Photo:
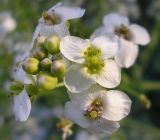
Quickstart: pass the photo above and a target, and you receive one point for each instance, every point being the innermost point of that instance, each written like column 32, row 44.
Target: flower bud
column 31, row 65
column 45, row 64
column 39, row 53
column 39, row 41
column 52, row 44
column 47, row 81
column 58, row 68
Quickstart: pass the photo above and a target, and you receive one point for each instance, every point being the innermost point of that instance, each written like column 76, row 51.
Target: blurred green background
column 141, row 82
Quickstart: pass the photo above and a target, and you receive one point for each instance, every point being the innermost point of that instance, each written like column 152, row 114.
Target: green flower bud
column 47, row 81
column 39, row 41
column 58, row 68
column 52, row 44
column 45, row 64
column 32, row 90
column 16, row 87
column 39, row 53
column 31, row 65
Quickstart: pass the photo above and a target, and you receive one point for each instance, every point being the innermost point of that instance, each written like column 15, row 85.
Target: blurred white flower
column 131, row 35
column 7, row 24
column 98, row 110
column 94, row 62
column 54, row 20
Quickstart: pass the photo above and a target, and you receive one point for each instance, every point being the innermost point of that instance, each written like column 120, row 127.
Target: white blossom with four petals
column 56, row 22
column 78, row 77
column 130, row 35
column 115, row 105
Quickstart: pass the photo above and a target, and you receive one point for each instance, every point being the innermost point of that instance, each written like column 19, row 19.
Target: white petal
column 103, row 127
column 73, row 47
column 55, row 6
column 117, row 105
column 86, row 97
column 110, row 77
column 115, row 20
column 75, row 80
column 19, row 74
column 74, row 113
column 127, row 54
column 140, row 34
column 60, row 30
column 67, row 13
column 99, row 32
column 22, row 106
column 107, row 44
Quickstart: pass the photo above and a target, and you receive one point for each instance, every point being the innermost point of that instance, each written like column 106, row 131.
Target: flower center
column 123, row 32
column 51, row 19
column 94, row 111
column 93, row 60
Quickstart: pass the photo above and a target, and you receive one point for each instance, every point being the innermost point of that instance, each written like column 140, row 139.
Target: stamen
column 93, row 60
column 123, row 32
column 94, row 111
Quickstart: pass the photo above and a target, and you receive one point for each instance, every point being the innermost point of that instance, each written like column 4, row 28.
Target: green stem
column 60, row 85
column 150, row 85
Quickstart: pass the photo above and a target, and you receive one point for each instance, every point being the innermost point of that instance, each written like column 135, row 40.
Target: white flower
column 54, row 20
column 22, row 103
column 131, row 35
column 94, row 62
column 98, row 110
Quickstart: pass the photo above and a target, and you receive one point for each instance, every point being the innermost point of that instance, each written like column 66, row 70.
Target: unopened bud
column 58, row 68
column 47, row 81
column 39, row 41
column 45, row 64
column 146, row 102
column 39, row 53
column 52, row 44
column 31, row 65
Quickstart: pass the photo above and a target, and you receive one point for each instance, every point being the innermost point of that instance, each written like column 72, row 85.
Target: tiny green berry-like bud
column 39, row 41
column 39, row 53
column 45, row 64
column 31, row 65
column 52, row 44
column 58, row 68
column 47, row 81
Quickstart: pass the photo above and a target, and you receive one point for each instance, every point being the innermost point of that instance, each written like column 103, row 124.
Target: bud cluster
column 40, row 62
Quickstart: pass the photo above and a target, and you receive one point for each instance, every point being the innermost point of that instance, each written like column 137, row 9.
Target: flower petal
column 74, row 113
column 75, row 80
column 114, row 20
column 67, row 13
column 103, row 127
column 86, row 97
column 140, row 34
column 73, row 47
column 19, row 74
column 127, row 54
column 107, row 44
column 117, row 105
column 99, row 32
column 110, row 77
column 60, row 30
column 22, row 106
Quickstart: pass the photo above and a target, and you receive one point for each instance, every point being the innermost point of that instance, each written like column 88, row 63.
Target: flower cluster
column 89, row 68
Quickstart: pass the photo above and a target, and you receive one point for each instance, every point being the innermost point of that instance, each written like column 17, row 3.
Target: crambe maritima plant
column 90, row 69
